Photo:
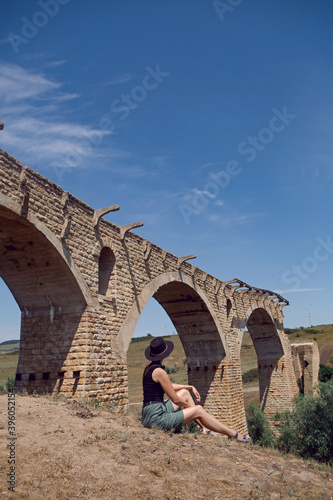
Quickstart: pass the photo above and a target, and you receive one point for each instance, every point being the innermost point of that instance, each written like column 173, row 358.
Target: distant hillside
column 10, row 345
column 7, row 342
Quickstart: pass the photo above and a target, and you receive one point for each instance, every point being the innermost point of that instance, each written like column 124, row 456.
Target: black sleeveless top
column 152, row 391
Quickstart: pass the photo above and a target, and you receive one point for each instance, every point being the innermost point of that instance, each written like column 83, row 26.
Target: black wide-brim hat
column 159, row 349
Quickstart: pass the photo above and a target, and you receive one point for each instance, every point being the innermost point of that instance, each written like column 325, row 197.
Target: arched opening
column 153, row 322
column 195, row 323
column 45, row 285
column 9, row 331
column 229, row 307
column 249, row 366
column 270, row 358
column 105, row 267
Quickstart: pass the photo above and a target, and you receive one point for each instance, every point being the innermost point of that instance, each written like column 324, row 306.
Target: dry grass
column 61, row 455
column 8, row 364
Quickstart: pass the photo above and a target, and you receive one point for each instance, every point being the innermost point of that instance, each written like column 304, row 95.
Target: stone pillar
column 306, row 365
column 53, row 354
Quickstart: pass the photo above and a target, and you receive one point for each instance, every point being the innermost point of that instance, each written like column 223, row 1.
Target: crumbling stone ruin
column 306, row 365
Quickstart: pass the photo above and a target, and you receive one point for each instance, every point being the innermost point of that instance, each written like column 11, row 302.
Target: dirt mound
column 65, row 450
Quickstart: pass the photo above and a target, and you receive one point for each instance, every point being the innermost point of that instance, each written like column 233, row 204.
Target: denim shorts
column 162, row 416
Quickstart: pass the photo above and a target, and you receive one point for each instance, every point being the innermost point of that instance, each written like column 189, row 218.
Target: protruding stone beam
column 218, row 285
column 67, row 220
column 164, row 254
column 267, row 292
column 65, row 227
column 274, row 296
column 184, row 259
column 236, row 284
column 127, row 227
column 147, row 249
column 64, row 199
column 204, row 277
column 24, row 188
column 2, row 125
column 193, row 271
column 103, row 211
column 280, row 299
column 242, row 284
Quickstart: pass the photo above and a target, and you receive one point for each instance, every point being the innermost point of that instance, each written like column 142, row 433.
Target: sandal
column 208, row 432
column 244, row 440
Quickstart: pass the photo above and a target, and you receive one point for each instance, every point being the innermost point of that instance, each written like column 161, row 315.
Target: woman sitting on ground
column 180, row 408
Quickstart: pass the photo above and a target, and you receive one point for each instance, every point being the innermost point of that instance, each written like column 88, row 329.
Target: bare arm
column 159, row 375
column 178, row 387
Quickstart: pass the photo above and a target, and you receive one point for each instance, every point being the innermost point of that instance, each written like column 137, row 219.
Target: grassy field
column 8, row 363
column 322, row 334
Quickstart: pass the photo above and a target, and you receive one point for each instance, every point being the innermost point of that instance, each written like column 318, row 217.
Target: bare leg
column 197, row 412
column 186, row 396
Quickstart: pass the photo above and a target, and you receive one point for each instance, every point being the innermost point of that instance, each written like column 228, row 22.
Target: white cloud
column 17, row 84
column 232, row 220
column 35, row 129
column 210, row 164
column 203, row 193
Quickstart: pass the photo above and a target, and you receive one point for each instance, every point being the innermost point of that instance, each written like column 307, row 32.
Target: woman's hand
column 196, row 394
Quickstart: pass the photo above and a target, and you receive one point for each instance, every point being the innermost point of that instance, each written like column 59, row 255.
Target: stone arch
column 199, row 330
column 100, row 244
column 154, row 289
column 14, row 227
column 271, row 356
column 51, row 294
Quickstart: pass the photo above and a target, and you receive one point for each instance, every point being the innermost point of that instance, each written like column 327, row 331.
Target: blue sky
column 209, row 121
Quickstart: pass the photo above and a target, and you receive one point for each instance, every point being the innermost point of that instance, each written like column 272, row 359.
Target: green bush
column 288, row 331
column 286, row 439
column 191, row 428
column 312, row 330
column 9, row 385
column 308, row 430
column 170, row 369
column 250, row 375
column 325, row 373
column 300, row 383
column 139, row 339
column 259, row 427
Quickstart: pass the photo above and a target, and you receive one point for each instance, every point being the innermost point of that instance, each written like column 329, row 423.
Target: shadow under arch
column 270, row 355
column 196, row 324
column 49, row 290
column 22, row 231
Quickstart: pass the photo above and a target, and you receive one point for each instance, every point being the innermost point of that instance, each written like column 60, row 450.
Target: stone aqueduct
column 82, row 282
